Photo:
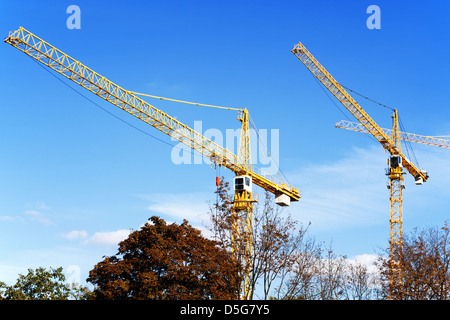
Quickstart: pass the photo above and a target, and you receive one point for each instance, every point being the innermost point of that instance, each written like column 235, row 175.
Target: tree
column 162, row 261
column 300, row 282
column 361, row 284
column 42, row 284
column 320, row 274
column 275, row 239
column 425, row 265
column 331, row 276
column 221, row 215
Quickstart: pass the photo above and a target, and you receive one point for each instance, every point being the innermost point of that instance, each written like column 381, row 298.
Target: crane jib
column 50, row 56
column 355, row 109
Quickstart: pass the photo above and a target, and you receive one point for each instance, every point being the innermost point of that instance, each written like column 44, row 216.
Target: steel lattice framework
column 351, row 105
column 128, row 101
column 405, row 136
column 391, row 143
column 396, row 186
column 74, row 70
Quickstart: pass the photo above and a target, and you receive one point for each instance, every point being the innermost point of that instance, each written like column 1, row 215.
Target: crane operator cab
column 395, row 161
column 242, row 183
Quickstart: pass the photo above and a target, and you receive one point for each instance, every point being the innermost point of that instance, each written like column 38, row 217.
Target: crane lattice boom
column 355, row 109
column 128, row 101
column 74, row 70
column 391, row 143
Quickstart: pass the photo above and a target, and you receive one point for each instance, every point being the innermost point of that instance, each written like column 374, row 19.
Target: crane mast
column 128, row 101
column 397, row 161
column 396, row 184
column 242, row 224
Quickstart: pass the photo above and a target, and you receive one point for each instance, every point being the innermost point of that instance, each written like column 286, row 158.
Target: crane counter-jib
column 72, row 69
column 412, row 137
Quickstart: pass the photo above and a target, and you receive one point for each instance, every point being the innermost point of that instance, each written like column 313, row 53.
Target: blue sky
column 75, row 179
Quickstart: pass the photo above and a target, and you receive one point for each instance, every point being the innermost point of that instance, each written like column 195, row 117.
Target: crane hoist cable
column 182, row 101
column 216, row 165
column 367, row 98
column 267, row 150
column 246, row 174
column 396, row 162
column 98, row 105
column 61, row 79
column 409, row 149
column 219, row 107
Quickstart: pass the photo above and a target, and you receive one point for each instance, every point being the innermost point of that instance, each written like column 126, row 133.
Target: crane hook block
column 217, row 181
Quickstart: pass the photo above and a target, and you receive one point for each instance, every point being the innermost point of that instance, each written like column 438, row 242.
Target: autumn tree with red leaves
column 166, row 261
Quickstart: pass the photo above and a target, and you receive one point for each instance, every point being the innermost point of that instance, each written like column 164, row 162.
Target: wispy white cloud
column 107, row 238
column 367, row 260
column 32, row 213
column 343, row 193
column 76, row 235
column 352, row 191
column 7, row 218
column 39, row 217
column 189, row 206
column 9, row 273
column 111, row 238
column 41, row 205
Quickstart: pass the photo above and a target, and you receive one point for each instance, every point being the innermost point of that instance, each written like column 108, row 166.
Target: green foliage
column 43, row 284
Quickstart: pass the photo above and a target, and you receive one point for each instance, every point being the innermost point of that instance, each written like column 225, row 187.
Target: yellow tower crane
column 396, row 233
column 397, row 161
column 246, row 174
